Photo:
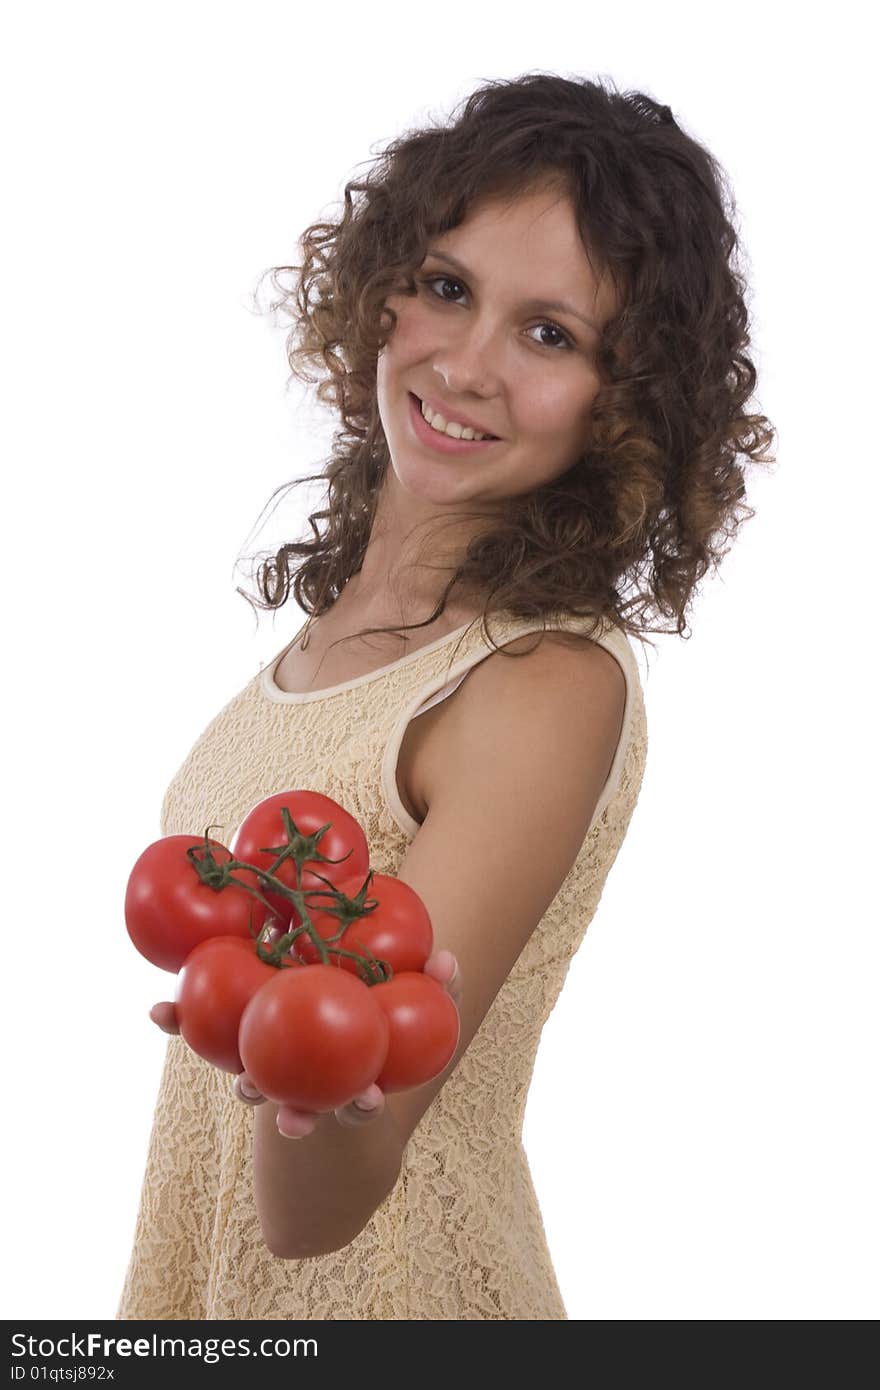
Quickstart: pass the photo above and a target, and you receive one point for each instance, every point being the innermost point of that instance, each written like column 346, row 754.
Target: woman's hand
column 368, row 1106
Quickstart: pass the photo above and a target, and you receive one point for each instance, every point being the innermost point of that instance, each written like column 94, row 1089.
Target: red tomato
column 218, row 979
column 398, row 931
column 313, row 1038
column 424, row 1028
column 169, row 910
column 263, row 829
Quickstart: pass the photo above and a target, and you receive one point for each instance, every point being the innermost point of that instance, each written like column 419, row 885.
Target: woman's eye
column 563, row 340
column 441, row 279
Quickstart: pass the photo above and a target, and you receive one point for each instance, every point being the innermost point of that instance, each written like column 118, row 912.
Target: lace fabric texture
column 461, row 1235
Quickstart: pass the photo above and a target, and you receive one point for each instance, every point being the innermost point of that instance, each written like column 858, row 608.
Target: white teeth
column 451, row 427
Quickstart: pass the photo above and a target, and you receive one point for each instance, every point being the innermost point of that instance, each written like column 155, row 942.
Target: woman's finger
column 365, row 1108
column 294, row 1124
column 245, row 1090
column 444, row 968
column 164, row 1015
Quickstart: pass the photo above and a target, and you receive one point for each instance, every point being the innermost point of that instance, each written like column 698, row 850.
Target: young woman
column 530, row 326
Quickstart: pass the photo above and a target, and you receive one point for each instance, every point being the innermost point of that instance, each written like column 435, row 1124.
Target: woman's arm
column 529, row 747
column 355, row 1174
column 315, row 1194
column 526, row 756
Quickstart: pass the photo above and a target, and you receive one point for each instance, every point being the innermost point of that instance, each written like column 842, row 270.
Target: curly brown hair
column 629, row 530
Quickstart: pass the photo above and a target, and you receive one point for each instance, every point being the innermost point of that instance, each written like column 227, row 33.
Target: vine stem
column 218, row 875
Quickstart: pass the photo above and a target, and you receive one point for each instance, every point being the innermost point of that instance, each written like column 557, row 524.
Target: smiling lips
column 439, row 441
column 432, row 408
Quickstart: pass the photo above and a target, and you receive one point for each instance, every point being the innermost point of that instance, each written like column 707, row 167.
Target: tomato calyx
column 299, row 847
column 372, row 970
column 212, row 871
column 302, row 849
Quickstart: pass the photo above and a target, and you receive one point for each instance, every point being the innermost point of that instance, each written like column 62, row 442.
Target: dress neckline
column 300, row 697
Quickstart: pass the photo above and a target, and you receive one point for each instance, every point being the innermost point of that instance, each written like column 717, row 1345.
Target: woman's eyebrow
column 558, row 305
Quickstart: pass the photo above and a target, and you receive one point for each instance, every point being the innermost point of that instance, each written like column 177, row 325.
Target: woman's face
column 480, row 344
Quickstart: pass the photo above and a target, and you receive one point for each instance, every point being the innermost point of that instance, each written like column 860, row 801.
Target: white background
column 702, row 1123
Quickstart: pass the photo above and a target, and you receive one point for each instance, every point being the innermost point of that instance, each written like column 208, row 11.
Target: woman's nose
column 468, row 362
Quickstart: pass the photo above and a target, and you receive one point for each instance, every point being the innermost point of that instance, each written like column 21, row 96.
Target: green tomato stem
column 302, row 849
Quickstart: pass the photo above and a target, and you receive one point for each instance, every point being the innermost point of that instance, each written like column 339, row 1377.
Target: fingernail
column 247, row 1089
column 366, row 1104
column 285, row 1135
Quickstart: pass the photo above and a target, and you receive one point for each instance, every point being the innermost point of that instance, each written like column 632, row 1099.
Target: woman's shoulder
column 568, row 652
column 537, row 671
column 595, row 637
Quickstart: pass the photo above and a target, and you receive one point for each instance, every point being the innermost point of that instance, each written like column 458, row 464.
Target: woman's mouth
column 436, row 439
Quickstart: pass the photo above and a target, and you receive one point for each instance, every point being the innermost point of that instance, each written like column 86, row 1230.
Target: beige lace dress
column 461, row 1234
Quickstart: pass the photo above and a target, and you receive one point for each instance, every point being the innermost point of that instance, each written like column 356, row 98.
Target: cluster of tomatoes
column 294, row 962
